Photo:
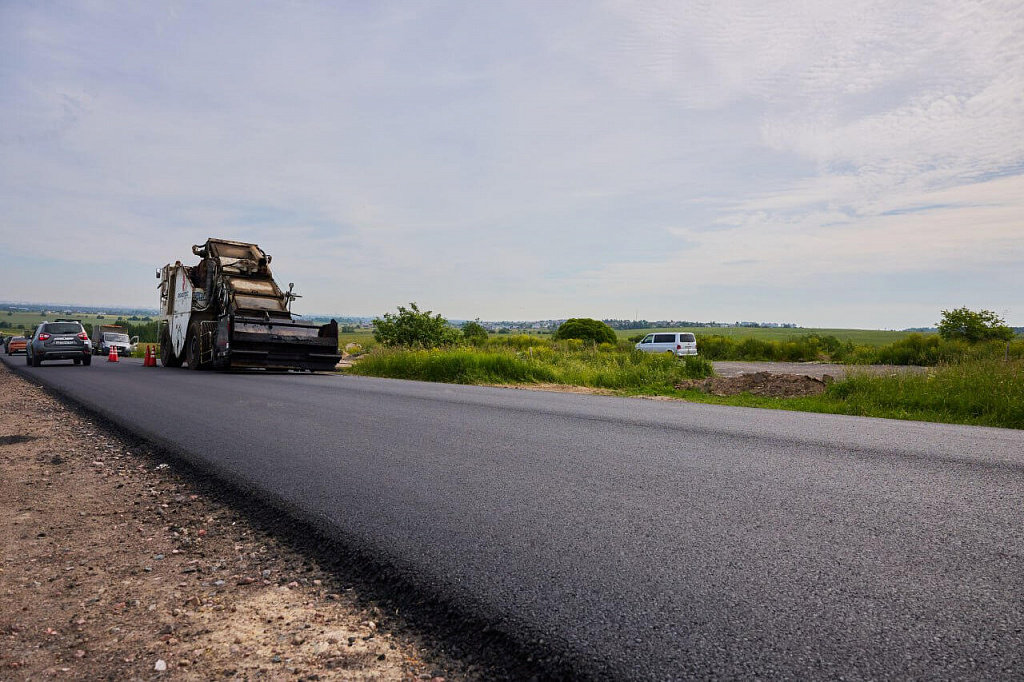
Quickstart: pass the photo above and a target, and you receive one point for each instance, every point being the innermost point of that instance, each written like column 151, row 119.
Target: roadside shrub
column 716, row 347
column 586, row 329
column 930, row 350
column 973, row 326
column 844, row 352
column 474, row 333
column 414, row 328
column 697, row 367
column 148, row 332
column 756, row 349
column 518, row 341
column 916, row 349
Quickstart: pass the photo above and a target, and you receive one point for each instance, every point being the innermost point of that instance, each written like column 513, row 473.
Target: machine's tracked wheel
column 193, row 355
column 167, row 356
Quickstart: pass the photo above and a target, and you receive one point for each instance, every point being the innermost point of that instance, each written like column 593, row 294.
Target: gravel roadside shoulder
column 118, row 566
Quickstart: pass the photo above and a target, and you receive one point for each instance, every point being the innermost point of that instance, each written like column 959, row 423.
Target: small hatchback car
column 677, row 343
column 16, row 344
column 60, row 340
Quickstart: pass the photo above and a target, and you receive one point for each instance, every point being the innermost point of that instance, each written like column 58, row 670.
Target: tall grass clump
column 452, row 366
column 518, row 341
column 926, row 350
column 809, row 347
column 561, row 363
column 930, row 350
column 985, row 392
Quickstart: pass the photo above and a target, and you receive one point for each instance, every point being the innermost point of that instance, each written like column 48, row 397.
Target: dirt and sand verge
column 117, row 565
column 760, row 384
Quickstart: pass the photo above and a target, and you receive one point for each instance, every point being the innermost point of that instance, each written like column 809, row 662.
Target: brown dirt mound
column 760, row 383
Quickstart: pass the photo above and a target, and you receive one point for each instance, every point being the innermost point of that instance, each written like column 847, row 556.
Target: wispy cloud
column 504, row 160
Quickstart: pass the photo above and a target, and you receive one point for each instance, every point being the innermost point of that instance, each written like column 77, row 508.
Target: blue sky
column 842, row 164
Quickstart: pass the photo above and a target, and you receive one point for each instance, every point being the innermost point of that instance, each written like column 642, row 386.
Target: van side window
column 647, row 339
column 664, row 338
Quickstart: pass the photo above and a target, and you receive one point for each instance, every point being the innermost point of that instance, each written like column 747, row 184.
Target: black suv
column 60, row 340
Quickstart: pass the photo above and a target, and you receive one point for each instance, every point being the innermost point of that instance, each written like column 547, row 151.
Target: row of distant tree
column 414, row 327
column 659, row 324
column 424, row 329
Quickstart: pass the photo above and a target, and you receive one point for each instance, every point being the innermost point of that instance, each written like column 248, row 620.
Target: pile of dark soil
column 759, row 383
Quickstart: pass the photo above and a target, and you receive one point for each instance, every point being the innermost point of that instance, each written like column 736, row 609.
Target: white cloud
column 501, row 158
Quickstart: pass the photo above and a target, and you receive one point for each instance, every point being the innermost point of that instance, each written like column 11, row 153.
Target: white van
column 677, row 343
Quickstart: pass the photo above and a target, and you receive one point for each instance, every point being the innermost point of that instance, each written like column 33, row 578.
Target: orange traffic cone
column 150, row 356
column 112, row 354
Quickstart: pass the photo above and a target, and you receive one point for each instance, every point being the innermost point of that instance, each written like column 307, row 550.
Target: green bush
column 518, row 341
column 716, row 347
column 414, row 328
column 148, row 332
column 474, row 332
column 586, row 329
column 930, row 350
column 973, row 326
column 805, row 348
column 696, row 367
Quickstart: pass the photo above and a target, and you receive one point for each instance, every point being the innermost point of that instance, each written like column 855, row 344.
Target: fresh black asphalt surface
column 627, row 538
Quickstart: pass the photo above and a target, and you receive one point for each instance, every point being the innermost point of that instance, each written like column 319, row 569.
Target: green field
column 861, row 337
column 27, row 322
column 364, row 337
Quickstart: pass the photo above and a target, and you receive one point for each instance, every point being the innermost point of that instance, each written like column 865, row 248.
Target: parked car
column 60, row 340
column 16, row 344
column 677, row 343
column 103, row 341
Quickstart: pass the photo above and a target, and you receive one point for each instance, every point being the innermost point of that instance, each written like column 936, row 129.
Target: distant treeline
column 666, row 324
column 148, row 332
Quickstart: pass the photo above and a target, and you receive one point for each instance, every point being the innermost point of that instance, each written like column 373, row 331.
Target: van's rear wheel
column 168, row 358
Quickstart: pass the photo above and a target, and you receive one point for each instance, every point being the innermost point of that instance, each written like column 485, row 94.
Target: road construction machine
column 228, row 312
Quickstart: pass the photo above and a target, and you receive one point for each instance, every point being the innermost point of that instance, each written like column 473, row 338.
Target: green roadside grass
column 572, row 366
column 979, row 393
column 982, row 391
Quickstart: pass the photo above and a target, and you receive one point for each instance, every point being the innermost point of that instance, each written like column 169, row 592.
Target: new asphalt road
column 627, row 538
